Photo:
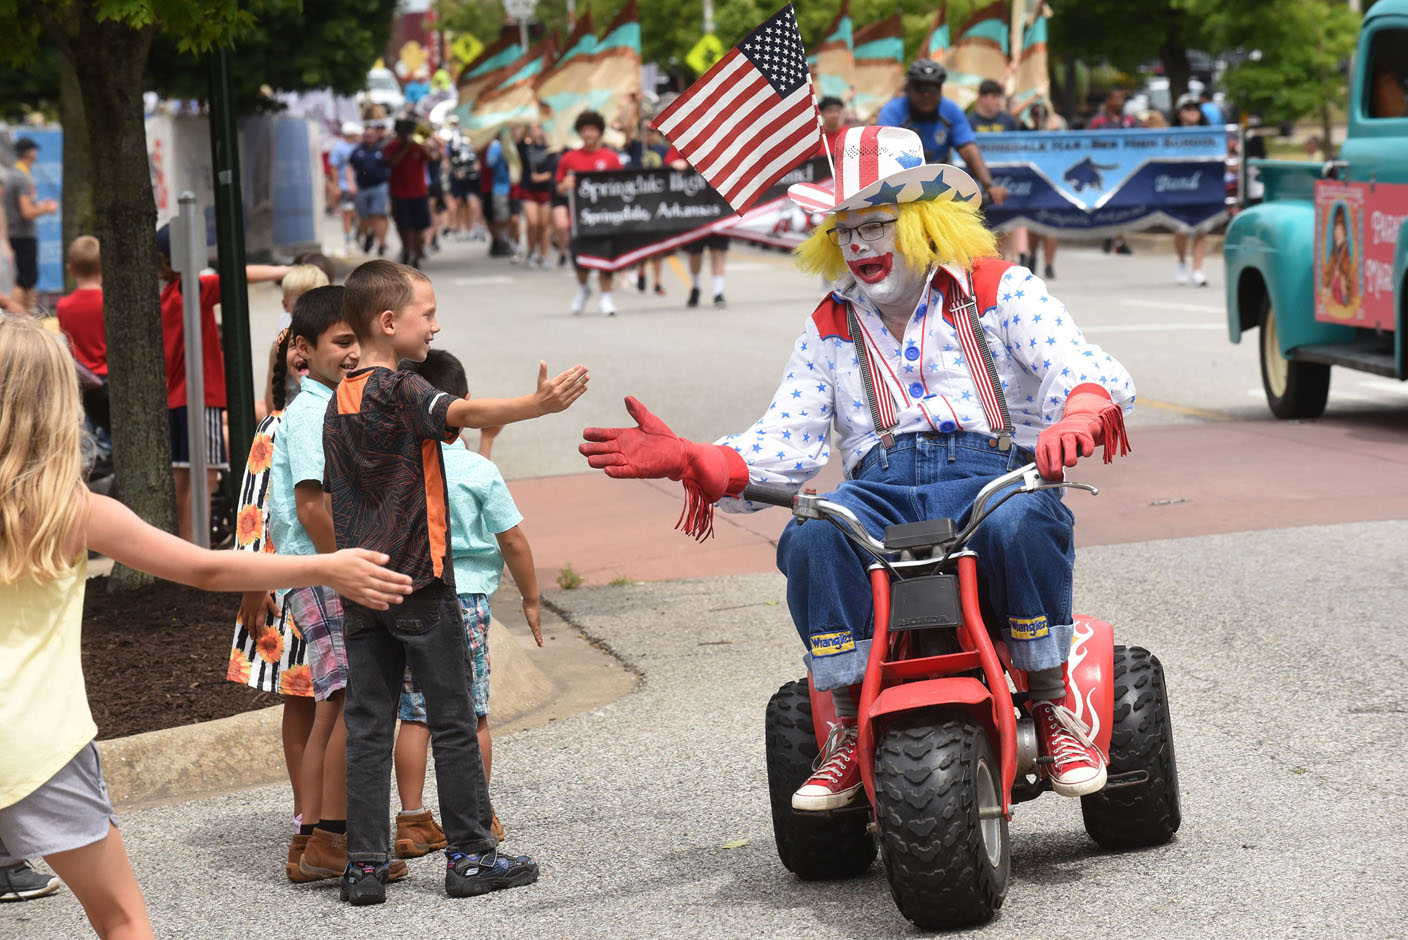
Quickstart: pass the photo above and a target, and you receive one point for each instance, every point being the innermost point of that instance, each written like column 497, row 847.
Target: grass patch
column 621, row 580
column 568, row 578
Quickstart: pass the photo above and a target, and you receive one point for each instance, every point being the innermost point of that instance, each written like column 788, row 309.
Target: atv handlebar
column 806, row 505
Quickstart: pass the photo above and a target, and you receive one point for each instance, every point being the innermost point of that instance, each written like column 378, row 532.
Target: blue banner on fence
column 1103, row 182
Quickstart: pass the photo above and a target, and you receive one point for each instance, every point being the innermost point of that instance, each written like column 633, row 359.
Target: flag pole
column 819, row 126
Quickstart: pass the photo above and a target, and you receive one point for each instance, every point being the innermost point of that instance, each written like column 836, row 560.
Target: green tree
column 107, row 42
column 291, row 47
column 1296, row 51
column 1131, row 34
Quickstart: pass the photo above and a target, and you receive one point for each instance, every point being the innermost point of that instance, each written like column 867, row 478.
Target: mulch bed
column 155, row 658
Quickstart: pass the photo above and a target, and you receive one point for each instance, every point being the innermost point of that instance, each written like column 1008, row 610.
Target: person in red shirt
column 833, row 124
column 81, row 313
column 173, row 333
column 407, row 159
column 591, row 157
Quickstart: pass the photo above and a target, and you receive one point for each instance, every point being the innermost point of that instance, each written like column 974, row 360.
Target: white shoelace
column 831, row 763
column 1070, row 739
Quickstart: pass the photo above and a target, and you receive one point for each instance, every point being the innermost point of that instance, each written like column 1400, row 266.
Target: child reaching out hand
column 484, row 533
column 53, row 801
column 386, row 477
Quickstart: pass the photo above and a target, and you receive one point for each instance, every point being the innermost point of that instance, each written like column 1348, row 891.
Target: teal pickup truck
column 1321, row 266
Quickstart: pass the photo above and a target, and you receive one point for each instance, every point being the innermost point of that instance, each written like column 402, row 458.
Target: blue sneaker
column 469, row 874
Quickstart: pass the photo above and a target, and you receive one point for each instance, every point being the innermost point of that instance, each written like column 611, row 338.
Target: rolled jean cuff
column 838, row 669
column 1045, row 652
column 368, row 857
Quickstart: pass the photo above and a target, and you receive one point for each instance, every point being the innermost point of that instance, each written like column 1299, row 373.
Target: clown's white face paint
column 882, row 274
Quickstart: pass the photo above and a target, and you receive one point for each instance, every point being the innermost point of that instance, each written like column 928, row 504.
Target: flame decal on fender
column 1083, row 705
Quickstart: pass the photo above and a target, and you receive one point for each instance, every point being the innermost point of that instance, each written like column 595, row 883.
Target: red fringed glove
column 1090, row 418
column 651, row 451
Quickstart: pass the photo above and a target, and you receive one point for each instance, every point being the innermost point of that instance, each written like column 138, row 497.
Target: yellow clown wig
column 943, row 232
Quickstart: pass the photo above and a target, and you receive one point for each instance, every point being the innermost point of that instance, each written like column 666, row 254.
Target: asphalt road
column 1288, row 720
column 1279, row 648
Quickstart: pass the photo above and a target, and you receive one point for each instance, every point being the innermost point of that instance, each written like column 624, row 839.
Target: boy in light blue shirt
column 484, row 535
column 300, row 524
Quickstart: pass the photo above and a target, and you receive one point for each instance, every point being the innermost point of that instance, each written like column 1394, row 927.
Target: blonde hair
column 40, row 467
column 947, row 232
column 300, row 279
column 84, row 258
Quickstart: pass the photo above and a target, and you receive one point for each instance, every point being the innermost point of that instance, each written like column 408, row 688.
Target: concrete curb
column 246, row 750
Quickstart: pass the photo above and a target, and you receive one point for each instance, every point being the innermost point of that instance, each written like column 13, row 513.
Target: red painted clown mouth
column 871, row 270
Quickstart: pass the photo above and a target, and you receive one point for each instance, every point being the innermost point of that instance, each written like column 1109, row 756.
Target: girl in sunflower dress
column 271, row 658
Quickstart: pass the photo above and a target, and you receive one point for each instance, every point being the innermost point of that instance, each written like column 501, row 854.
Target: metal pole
column 189, row 235
column 523, row 31
column 234, row 295
column 708, row 16
column 571, row 15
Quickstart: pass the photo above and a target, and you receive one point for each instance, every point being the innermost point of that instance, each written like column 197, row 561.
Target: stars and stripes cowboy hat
column 877, row 166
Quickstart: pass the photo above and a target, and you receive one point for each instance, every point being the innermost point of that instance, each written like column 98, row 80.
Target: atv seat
column 919, row 535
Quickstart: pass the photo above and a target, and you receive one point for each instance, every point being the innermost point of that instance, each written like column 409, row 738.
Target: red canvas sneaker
column 1076, row 767
column 835, row 780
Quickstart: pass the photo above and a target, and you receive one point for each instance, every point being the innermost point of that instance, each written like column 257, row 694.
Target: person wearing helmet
column 940, row 123
column 346, row 187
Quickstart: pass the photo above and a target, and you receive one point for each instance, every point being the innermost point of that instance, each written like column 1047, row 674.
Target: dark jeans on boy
column 426, row 632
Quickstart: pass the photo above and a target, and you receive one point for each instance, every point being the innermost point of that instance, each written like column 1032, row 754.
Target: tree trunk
column 1327, row 148
column 79, row 218
column 110, row 61
column 1174, row 56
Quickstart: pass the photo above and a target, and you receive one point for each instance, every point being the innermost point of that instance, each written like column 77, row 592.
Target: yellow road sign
column 466, row 48
column 705, row 53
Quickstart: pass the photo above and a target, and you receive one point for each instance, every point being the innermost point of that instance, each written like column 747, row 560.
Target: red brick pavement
column 1179, row 481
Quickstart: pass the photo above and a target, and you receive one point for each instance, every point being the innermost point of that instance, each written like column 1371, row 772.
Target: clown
column 926, row 399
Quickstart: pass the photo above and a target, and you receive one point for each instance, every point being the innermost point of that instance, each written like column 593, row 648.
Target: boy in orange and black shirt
column 386, row 480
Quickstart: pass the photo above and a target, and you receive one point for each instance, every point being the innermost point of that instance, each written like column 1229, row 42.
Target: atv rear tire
column 813, row 846
column 948, row 867
column 1141, row 739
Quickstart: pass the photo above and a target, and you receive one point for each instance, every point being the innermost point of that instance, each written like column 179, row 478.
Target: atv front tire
column 937, row 785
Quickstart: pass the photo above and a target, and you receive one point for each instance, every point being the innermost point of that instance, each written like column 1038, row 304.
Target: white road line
column 1150, row 327
column 483, row 280
column 1169, row 305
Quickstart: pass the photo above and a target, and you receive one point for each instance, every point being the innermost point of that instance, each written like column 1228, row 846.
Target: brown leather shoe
column 295, row 852
column 417, row 833
column 324, row 856
column 496, row 829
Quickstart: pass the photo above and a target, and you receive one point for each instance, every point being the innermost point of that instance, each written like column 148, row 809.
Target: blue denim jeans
column 1025, row 552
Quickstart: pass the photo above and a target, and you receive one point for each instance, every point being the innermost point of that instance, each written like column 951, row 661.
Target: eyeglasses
column 870, row 231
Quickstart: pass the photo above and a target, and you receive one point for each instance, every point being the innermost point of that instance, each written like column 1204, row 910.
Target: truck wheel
column 1141, row 741
column 813, row 846
column 947, row 860
column 1293, row 389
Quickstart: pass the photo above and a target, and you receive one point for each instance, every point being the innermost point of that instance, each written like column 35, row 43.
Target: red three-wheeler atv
column 946, row 741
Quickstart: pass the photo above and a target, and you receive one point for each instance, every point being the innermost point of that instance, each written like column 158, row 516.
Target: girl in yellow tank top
column 48, row 522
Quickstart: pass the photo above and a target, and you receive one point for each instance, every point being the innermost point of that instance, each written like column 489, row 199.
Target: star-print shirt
column 1040, row 353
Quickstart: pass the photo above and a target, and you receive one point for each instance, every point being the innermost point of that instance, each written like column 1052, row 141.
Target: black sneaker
column 381, row 250
column 22, row 883
column 367, row 243
column 364, row 883
column 1122, row 247
column 693, row 300
column 640, row 283
column 1050, row 274
column 719, row 300
column 472, row 874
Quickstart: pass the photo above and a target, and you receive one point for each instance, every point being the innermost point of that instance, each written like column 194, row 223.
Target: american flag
column 752, row 117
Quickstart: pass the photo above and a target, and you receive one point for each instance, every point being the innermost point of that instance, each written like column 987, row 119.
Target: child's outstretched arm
column 116, row 531
column 552, row 395
column 513, row 544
